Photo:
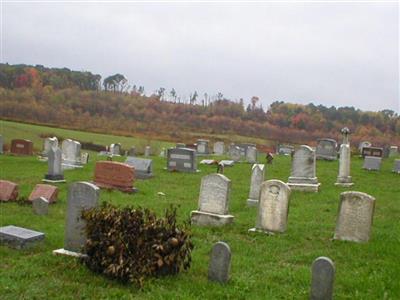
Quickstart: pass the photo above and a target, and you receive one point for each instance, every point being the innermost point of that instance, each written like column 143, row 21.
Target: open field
column 263, row 267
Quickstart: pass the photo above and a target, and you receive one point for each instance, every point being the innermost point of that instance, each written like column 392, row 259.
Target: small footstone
column 220, row 263
column 323, row 275
column 18, row 237
column 40, row 206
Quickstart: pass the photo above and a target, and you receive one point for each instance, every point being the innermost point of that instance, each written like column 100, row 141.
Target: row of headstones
column 372, row 163
column 41, row 196
column 116, row 150
column 322, row 271
column 354, row 220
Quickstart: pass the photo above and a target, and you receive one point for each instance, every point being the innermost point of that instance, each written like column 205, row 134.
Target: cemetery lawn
column 263, row 267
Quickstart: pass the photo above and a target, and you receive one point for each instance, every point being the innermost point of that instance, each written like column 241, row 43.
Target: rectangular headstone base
column 122, row 189
column 262, row 231
column 200, row 218
column 344, row 184
column 69, row 253
column 252, row 202
column 304, row 187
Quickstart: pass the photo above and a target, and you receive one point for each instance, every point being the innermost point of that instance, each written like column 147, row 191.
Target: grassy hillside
column 263, row 267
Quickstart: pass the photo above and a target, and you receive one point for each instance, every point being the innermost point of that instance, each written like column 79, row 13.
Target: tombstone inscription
column 181, row 159
column 273, row 207
column 354, row 221
column 21, row 147
column 303, row 175
column 213, row 201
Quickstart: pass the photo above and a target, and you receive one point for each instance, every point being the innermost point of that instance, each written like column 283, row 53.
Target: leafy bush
column 132, row 244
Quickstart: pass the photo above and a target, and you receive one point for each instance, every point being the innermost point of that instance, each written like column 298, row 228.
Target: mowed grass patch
column 263, row 267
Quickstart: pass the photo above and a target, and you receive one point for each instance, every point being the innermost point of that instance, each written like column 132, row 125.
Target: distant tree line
column 76, row 100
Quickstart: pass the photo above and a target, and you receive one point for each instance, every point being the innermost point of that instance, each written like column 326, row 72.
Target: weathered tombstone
column 396, row 167
column 227, row 163
column 355, row 216
column 8, row 190
column 372, row 163
column 220, row 263
column 132, row 151
column 273, row 207
column 257, row 178
column 372, row 151
column 213, row 201
column 115, row 149
column 21, row 147
column 147, row 151
column 220, row 168
column 326, row 149
column 81, row 196
column 40, row 206
column 48, row 143
column 344, row 178
column 285, row 149
column 114, row 175
column 303, row 175
column 163, row 153
column 55, row 171
column 219, row 148
column 202, row 147
column 363, row 144
column 85, row 158
column 71, row 153
column 251, row 155
column 181, row 159
column 322, row 278
column 1, row 144
column 18, row 237
column 235, row 153
column 143, row 167
column 49, row 192
column 393, row 151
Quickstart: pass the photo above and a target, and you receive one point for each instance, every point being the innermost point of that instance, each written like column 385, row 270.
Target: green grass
column 263, row 267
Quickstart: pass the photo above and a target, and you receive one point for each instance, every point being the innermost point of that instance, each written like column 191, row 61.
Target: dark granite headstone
column 220, row 263
column 323, row 276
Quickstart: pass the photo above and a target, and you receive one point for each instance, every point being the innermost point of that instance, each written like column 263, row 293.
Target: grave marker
column 213, row 201
column 355, row 216
column 372, row 151
column 81, row 196
column 344, row 178
column 303, row 175
column 219, row 148
column 372, row 163
column 322, row 278
column 21, row 147
column 48, row 143
column 18, row 237
column 202, row 147
column 326, row 149
column 257, row 178
column 220, row 263
column 114, row 175
column 143, row 167
column 393, row 151
column 55, row 171
column 251, row 155
column 40, row 206
column 71, row 154
column 147, row 151
column 273, row 207
column 47, row 191
column 396, row 167
column 8, row 190
column 181, row 159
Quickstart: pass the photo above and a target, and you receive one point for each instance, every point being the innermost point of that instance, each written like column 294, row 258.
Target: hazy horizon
column 334, row 54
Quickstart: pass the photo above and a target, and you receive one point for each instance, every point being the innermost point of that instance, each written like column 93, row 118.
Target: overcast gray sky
column 341, row 54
